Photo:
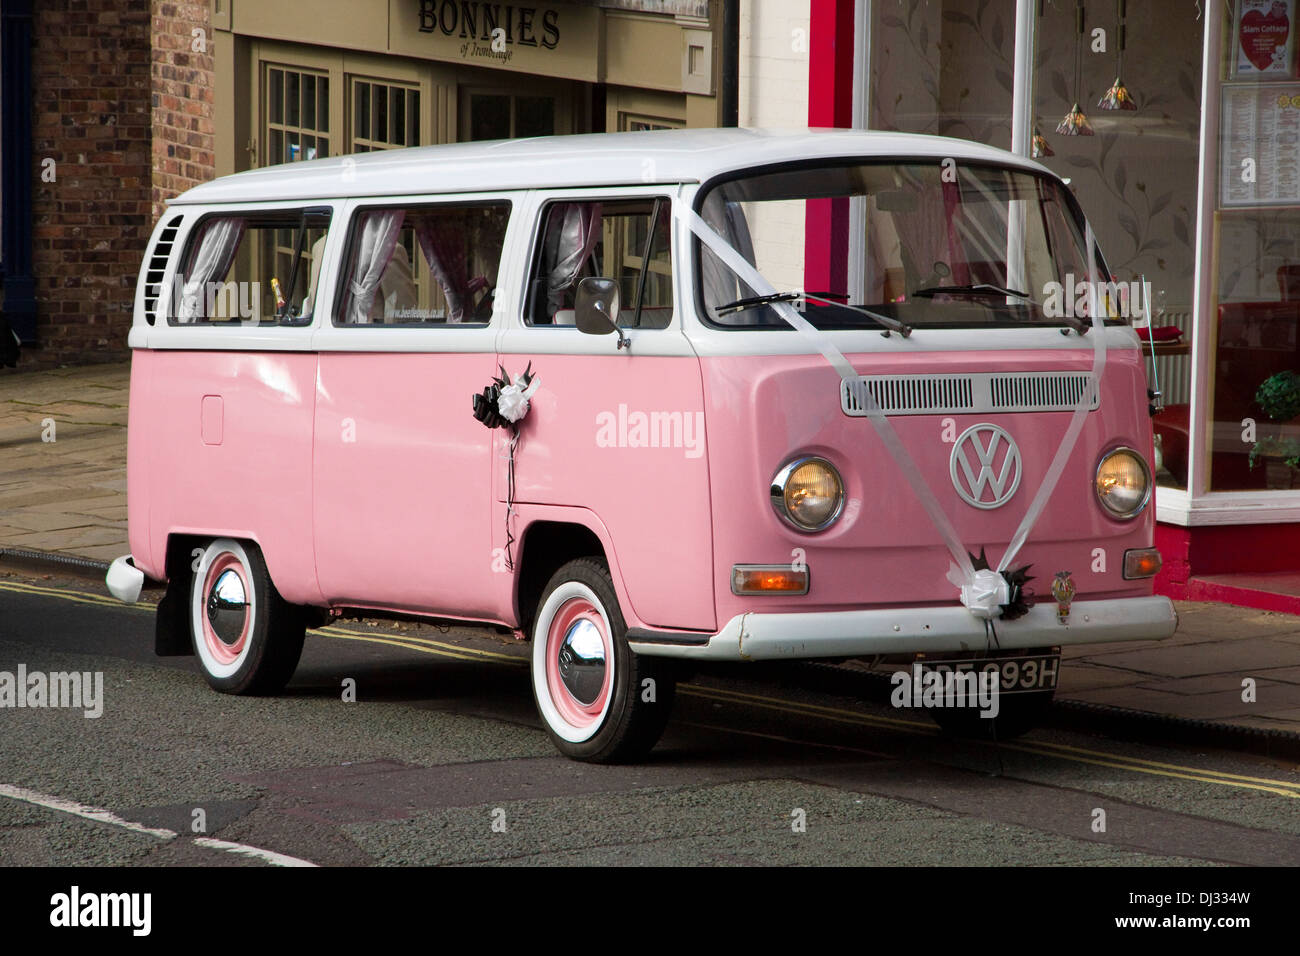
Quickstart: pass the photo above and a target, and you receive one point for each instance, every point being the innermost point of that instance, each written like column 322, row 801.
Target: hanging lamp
column 1118, row 97
column 1076, row 122
column 1039, row 147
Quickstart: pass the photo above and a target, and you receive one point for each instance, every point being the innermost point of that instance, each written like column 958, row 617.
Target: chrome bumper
column 759, row 637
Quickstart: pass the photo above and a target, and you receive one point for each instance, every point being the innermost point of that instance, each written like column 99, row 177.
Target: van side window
column 624, row 240
column 423, row 265
column 251, row 269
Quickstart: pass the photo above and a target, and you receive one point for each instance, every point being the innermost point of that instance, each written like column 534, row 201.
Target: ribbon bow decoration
column 504, row 402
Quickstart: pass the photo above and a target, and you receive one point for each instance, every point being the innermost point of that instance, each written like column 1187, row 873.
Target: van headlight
column 1123, row 483
column 808, row 493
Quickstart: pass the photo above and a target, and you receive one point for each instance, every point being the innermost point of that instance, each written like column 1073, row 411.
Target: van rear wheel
column 600, row 701
column 247, row 638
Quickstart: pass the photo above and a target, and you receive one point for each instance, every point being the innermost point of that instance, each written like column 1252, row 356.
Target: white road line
column 81, row 810
column 107, row 816
column 275, row 859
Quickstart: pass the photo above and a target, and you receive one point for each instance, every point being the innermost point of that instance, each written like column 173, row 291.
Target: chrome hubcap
column 582, row 661
column 228, row 606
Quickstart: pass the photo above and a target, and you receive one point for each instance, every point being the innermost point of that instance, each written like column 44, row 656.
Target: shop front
column 314, row 79
column 1177, row 125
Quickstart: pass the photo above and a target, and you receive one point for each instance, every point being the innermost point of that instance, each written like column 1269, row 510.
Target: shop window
column 251, row 270
column 423, row 265
column 1255, row 310
column 943, row 68
column 297, row 113
column 384, row 115
column 499, row 115
column 636, row 123
column 1132, row 157
column 624, row 240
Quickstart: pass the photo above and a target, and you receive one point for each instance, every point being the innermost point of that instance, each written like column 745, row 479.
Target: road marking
column 243, row 849
column 98, row 815
column 1282, row 788
column 787, row 740
column 76, row 597
column 81, row 810
column 926, row 728
column 1041, row 748
column 404, row 643
column 451, row 650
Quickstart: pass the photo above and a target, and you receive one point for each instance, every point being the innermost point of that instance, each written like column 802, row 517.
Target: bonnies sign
column 491, row 29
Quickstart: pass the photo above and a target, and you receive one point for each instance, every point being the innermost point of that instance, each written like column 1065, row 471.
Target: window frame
column 194, row 231
column 657, row 195
column 341, row 290
column 1071, row 207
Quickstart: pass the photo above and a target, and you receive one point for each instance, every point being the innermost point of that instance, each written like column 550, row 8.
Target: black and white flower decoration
column 505, row 403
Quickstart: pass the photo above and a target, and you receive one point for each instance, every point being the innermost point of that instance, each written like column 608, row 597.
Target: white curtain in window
column 211, row 263
column 379, row 231
column 579, row 227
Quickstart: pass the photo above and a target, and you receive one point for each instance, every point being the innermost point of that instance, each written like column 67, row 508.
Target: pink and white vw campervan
column 841, row 411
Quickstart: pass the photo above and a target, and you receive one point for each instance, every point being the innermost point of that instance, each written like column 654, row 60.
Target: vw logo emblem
column 985, row 466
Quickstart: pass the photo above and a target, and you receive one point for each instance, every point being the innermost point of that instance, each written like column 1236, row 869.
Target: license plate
column 1016, row 675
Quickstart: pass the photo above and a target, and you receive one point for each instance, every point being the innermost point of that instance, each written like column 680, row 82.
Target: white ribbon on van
column 983, row 591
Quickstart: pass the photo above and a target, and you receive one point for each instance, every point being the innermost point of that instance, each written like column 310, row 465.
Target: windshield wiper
column 740, row 305
column 982, row 288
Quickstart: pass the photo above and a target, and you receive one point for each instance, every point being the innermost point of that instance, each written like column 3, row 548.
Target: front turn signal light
column 768, row 579
column 1141, row 563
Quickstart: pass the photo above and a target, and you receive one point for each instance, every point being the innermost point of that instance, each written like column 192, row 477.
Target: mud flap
column 172, row 623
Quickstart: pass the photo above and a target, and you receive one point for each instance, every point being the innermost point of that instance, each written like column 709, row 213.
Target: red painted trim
column 830, row 103
column 830, row 63
column 1200, row 563
column 1199, row 590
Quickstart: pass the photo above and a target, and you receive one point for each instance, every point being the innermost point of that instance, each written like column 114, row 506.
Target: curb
column 42, row 560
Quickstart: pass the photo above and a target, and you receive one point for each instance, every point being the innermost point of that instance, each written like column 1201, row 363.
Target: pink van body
column 366, row 483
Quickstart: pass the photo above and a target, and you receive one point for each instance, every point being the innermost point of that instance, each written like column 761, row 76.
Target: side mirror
column 595, row 308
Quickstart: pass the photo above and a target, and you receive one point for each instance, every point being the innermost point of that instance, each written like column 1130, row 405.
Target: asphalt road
column 442, row 760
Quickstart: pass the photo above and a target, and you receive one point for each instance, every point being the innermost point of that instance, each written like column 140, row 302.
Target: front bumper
column 758, row 637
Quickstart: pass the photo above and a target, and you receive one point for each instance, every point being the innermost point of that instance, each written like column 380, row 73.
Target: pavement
column 63, row 492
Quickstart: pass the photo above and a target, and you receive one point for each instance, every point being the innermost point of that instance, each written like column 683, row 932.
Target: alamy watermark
column 206, row 301
column 1071, row 299
column 931, row 688
column 659, row 429
column 38, row 689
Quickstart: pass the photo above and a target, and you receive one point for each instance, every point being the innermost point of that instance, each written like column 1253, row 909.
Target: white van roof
column 594, row 159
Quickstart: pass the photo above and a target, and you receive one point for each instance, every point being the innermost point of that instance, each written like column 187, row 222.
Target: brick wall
column 90, row 80
column 123, row 105
column 184, row 143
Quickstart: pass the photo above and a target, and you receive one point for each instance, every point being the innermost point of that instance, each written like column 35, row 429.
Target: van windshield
column 933, row 244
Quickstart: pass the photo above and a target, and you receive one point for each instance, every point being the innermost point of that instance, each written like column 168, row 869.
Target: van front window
column 936, row 244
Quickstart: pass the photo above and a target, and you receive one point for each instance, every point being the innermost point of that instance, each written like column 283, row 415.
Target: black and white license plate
column 1016, row 675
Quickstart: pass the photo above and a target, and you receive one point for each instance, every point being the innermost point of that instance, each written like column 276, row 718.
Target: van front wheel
column 247, row 638
column 599, row 700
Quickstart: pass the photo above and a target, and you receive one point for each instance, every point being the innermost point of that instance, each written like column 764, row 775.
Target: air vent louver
column 153, row 277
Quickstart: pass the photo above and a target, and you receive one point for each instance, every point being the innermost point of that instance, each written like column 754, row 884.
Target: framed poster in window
column 1259, row 144
column 1264, row 41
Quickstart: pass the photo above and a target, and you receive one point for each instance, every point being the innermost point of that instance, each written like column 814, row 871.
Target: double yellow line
column 1083, row 755
column 1099, row 758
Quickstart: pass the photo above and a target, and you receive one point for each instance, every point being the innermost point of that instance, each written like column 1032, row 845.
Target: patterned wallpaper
column 945, row 67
